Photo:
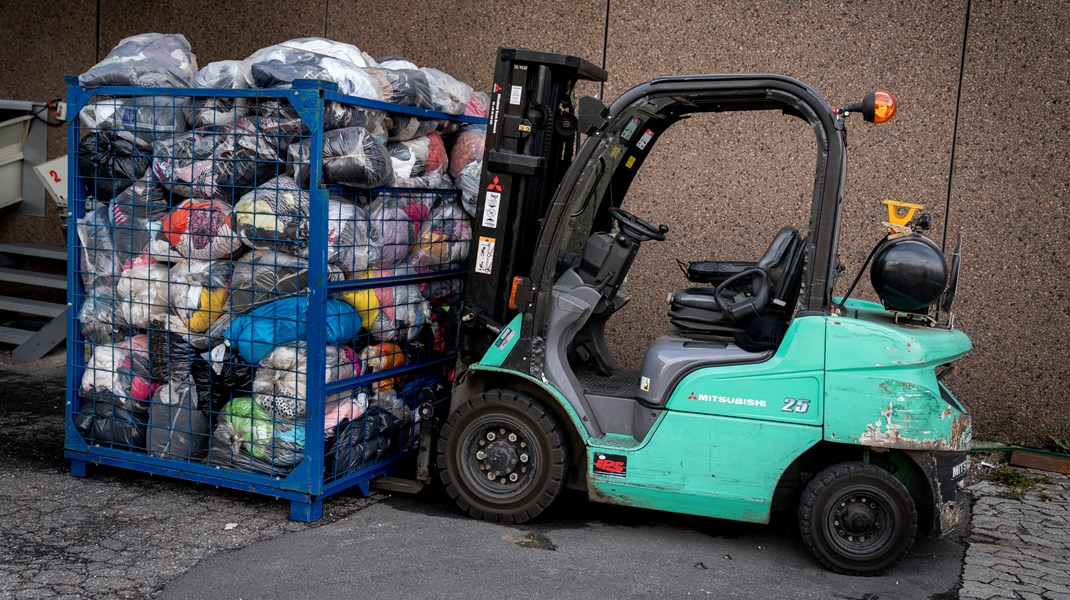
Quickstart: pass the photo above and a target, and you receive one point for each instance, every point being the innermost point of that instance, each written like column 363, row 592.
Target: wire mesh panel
column 267, row 284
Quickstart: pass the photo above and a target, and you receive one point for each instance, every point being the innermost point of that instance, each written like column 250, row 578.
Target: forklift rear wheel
column 503, row 456
column 857, row 519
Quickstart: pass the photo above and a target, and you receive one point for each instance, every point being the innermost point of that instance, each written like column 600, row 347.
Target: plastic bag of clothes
column 390, row 230
column 247, row 438
column 149, row 59
column 110, row 164
column 351, row 156
column 216, row 163
column 216, row 111
column 142, row 291
column 198, row 228
column 263, row 276
column 176, row 428
column 444, row 238
column 274, row 215
column 97, row 257
column 447, row 94
column 408, row 87
column 466, row 164
column 349, row 407
column 402, row 313
column 199, row 292
column 478, row 105
column 141, row 118
column 386, row 426
column 254, row 335
column 420, row 162
column 381, row 357
column 134, row 215
column 121, row 371
column 279, row 384
column 100, row 317
column 107, row 421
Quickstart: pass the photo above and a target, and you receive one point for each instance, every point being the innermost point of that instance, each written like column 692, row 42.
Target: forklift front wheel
column 502, row 456
column 857, row 519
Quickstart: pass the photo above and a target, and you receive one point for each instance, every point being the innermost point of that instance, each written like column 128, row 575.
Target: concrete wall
column 725, row 184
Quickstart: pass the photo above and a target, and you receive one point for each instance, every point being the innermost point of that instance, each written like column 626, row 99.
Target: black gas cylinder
column 909, row 273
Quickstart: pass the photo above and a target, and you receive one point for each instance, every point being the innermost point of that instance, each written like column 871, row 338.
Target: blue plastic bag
column 256, row 334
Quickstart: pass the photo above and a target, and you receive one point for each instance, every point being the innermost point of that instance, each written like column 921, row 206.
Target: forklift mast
column 530, row 144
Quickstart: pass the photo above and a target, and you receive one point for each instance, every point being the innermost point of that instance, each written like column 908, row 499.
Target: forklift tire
column 502, row 456
column 857, row 519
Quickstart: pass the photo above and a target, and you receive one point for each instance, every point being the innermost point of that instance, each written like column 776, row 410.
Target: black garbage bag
column 354, row 444
column 110, row 164
column 352, row 156
column 148, row 59
column 102, row 421
column 176, row 429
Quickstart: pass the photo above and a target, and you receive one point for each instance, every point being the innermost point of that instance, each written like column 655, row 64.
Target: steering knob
column 637, row 228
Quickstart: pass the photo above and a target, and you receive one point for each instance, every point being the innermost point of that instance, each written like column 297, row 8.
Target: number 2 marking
column 799, row 405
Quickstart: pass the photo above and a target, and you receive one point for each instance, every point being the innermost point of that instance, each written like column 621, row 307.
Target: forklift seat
column 770, row 286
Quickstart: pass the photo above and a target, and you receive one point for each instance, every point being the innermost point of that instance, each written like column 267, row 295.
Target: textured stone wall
column 726, row 183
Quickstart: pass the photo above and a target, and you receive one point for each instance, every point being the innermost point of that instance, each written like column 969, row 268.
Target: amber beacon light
column 877, row 107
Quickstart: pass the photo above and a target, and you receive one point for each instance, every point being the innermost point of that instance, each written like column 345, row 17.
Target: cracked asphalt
column 119, row 534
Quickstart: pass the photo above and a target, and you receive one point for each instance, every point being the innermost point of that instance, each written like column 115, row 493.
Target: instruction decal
column 643, row 141
column 490, row 209
column 514, row 94
column 485, row 255
column 629, row 129
column 630, row 162
column 611, row 465
column 644, row 383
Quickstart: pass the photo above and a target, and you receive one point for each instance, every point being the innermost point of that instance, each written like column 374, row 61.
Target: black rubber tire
column 888, row 517
column 545, row 469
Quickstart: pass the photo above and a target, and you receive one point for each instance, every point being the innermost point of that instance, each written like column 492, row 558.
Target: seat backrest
column 783, row 262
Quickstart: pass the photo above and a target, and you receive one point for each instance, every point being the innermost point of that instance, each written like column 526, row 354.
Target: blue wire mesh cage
column 265, row 284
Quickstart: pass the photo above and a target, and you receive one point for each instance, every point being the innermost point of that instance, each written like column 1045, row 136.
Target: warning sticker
column 490, row 209
column 644, row 384
column 643, row 141
column 485, row 255
column 631, row 161
column 629, row 129
column 514, row 94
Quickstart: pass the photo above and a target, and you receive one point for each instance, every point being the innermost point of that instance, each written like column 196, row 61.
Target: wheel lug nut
column 491, row 436
column 524, row 458
column 523, row 444
column 835, row 523
column 512, row 437
column 501, row 430
column 513, row 477
column 503, row 480
column 482, row 442
column 481, row 455
column 861, row 538
column 850, row 538
column 490, row 476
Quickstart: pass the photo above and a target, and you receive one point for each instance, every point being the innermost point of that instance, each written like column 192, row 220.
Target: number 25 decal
column 798, row 405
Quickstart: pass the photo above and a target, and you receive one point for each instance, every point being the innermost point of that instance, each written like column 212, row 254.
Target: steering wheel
column 639, row 228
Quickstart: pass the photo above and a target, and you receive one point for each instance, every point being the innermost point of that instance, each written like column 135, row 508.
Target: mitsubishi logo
column 495, row 186
column 692, row 396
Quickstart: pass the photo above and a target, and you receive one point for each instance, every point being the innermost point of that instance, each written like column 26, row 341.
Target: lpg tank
column 909, row 273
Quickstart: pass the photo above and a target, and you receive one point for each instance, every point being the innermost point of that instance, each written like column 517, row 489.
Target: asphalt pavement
column 120, row 534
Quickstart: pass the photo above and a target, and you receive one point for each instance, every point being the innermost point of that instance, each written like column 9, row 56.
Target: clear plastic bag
column 402, row 309
column 274, row 216
column 444, row 239
column 142, row 292
column 97, row 255
column 390, row 230
column 263, row 276
column 199, row 292
column 198, row 228
column 408, row 87
column 220, row 110
column 447, row 94
column 466, row 164
column 148, row 59
column 279, row 384
column 352, row 156
column 135, row 213
column 420, row 162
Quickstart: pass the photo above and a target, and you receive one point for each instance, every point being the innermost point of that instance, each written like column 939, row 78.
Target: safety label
column 644, row 383
column 643, row 141
column 514, row 94
column 485, row 255
column 629, row 129
column 490, row 209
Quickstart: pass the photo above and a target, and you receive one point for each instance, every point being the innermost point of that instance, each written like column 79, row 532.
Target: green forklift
column 768, row 391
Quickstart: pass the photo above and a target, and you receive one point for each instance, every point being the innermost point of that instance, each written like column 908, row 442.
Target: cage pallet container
column 258, row 301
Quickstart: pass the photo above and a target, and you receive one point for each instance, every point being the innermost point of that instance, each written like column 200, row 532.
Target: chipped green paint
column 880, row 383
